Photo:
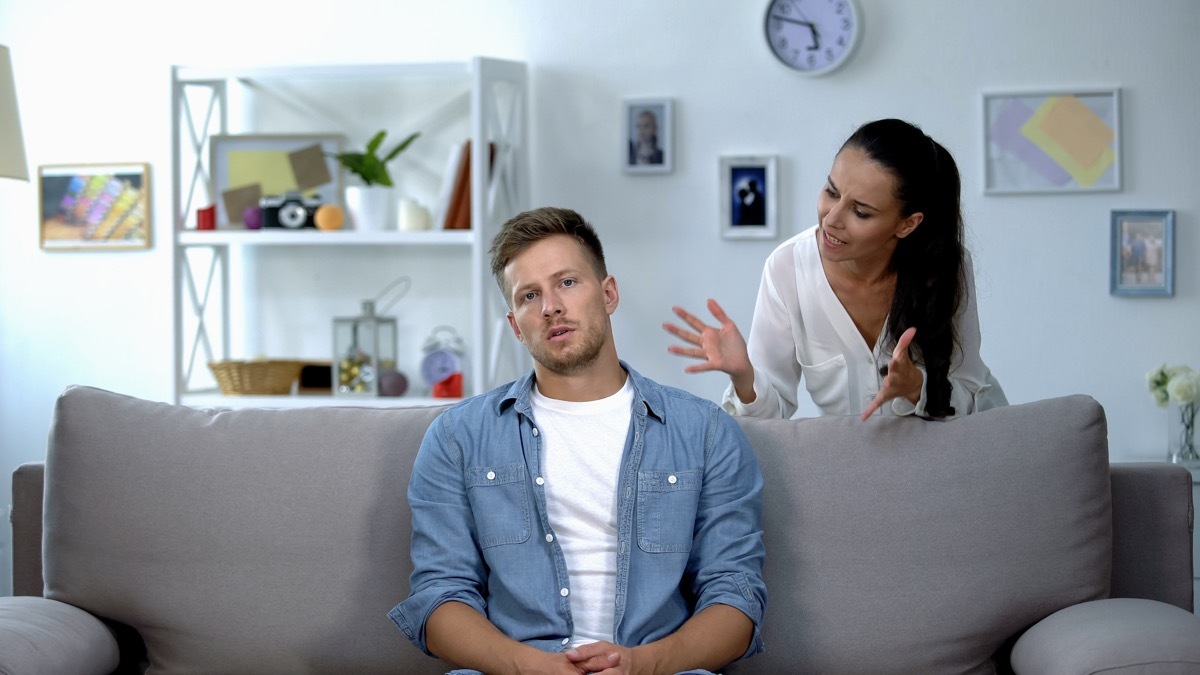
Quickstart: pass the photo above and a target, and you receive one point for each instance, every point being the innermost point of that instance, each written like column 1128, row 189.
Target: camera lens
column 292, row 214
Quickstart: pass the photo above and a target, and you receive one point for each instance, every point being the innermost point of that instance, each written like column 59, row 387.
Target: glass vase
column 1181, row 434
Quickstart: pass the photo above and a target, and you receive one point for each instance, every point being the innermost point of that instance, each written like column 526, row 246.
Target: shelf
column 310, row 237
column 391, row 71
column 216, row 400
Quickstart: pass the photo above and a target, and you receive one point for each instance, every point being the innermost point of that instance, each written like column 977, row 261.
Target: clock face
column 813, row 36
column 438, row 365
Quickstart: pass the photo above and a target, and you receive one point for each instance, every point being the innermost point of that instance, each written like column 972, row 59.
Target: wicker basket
column 272, row 377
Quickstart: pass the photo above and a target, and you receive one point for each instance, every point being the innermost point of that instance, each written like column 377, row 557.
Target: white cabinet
column 243, row 293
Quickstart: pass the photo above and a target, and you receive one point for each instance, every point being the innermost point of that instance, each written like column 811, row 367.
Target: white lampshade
column 12, row 148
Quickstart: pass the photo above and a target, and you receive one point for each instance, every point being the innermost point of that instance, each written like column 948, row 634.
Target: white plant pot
column 371, row 207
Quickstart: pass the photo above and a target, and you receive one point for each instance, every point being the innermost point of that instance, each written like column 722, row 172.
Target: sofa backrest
column 263, row 541
column 275, row 541
column 908, row 546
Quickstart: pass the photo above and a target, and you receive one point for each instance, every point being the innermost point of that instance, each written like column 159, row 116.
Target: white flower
column 1184, row 388
column 1173, row 383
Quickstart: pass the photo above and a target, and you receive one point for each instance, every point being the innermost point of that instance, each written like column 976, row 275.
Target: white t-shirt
column 582, row 445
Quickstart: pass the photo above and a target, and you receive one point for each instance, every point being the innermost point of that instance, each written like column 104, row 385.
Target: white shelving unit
column 244, row 293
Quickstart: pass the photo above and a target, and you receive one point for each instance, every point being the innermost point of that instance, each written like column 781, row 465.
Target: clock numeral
column 812, row 60
column 828, row 54
column 846, row 23
column 841, row 8
column 782, row 43
column 841, row 40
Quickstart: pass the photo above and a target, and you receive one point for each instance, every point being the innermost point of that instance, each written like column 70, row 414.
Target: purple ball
column 392, row 383
column 252, row 217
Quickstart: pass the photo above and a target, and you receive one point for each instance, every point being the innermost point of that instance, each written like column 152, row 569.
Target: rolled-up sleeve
column 728, row 550
column 446, row 563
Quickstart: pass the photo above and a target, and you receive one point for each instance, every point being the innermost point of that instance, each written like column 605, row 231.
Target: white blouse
column 801, row 328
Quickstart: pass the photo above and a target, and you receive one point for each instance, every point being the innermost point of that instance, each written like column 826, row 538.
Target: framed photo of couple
column 1143, row 253
column 748, row 197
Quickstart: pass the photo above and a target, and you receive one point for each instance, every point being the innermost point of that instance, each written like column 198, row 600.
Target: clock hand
column 812, row 27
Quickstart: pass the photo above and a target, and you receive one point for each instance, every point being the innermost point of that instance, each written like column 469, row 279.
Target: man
column 644, row 148
column 582, row 519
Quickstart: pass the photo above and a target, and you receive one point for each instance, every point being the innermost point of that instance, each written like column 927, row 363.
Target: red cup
column 206, row 218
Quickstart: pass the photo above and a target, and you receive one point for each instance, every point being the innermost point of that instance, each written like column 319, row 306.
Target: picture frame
column 247, row 167
column 748, row 197
column 1052, row 141
column 94, row 207
column 1142, row 261
column 649, row 135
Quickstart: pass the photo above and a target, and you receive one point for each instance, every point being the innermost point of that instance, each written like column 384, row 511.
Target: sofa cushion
column 1117, row 636
column 46, row 636
column 902, row 545
column 264, row 541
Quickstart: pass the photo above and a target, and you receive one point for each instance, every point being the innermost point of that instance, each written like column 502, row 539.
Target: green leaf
column 402, row 146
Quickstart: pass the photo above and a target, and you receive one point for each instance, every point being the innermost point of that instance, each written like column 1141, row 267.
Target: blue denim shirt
column 689, row 512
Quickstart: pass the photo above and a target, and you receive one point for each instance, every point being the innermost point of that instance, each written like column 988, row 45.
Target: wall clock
column 813, row 36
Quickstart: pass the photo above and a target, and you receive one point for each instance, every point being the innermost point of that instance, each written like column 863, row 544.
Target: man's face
column 647, row 127
column 560, row 308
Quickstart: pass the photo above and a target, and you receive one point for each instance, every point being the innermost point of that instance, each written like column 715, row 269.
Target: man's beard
column 574, row 360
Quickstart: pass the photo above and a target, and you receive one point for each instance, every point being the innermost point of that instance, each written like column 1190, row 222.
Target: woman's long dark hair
column 928, row 262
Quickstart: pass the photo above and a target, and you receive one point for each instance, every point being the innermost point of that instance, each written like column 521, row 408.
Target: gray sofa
column 163, row 539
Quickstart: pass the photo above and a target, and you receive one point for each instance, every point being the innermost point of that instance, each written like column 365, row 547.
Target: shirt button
column 564, row 592
column 672, row 480
column 539, row 480
column 491, row 475
column 549, row 537
column 566, row 640
column 535, row 431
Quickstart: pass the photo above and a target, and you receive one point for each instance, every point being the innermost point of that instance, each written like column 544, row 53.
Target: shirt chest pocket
column 666, row 509
column 500, row 503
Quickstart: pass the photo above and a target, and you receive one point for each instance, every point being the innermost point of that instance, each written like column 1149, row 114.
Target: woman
column 874, row 305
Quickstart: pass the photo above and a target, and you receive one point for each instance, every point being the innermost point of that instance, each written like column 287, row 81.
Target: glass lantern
column 363, row 348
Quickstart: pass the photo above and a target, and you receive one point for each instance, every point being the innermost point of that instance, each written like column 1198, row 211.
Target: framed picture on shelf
column 747, row 197
column 247, row 167
column 94, row 206
column 1143, row 253
column 1052, row 141
column 648, row 135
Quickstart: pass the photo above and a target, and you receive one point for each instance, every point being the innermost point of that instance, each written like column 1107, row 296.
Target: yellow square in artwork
column 1077, row 139
column 1077, row 130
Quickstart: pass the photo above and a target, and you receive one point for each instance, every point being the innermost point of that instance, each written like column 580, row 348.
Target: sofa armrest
column 1113, row 635
column 38, row 635
column 1152, row 532
column 28, row 483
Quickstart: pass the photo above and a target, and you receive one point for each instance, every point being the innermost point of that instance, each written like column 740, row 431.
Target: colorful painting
column 101, row 206
column 1052, row 142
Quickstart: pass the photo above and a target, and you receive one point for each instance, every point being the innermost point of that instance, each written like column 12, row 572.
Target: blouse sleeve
column 772, row 343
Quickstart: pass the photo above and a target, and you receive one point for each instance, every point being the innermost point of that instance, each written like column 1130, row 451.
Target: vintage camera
column 293, row 210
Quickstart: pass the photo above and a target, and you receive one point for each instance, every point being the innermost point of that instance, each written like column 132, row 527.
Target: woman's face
column 858, row 213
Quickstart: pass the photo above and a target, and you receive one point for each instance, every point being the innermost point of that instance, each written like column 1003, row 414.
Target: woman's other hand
column 903, row 377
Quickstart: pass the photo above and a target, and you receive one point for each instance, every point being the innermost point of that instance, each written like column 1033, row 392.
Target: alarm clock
column 442, row 361
column 814, row 37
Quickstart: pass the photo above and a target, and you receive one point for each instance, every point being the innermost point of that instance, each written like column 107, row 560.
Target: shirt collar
column 647, row 395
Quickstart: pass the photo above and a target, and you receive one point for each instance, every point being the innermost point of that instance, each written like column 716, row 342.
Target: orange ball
column 329, row 217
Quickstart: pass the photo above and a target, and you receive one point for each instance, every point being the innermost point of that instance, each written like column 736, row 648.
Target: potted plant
column 370, row 203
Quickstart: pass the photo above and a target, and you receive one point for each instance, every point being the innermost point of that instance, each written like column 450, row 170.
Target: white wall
column 94, row 87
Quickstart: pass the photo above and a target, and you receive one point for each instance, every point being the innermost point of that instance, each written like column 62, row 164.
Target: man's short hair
column 529, row 227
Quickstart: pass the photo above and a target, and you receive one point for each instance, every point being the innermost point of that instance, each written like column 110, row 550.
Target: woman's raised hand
column 719, row 348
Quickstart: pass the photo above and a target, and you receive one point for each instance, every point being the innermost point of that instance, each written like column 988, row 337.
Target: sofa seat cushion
column 1117, row 636
column 38, row 635
column 901, row 545
column 243, row 541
